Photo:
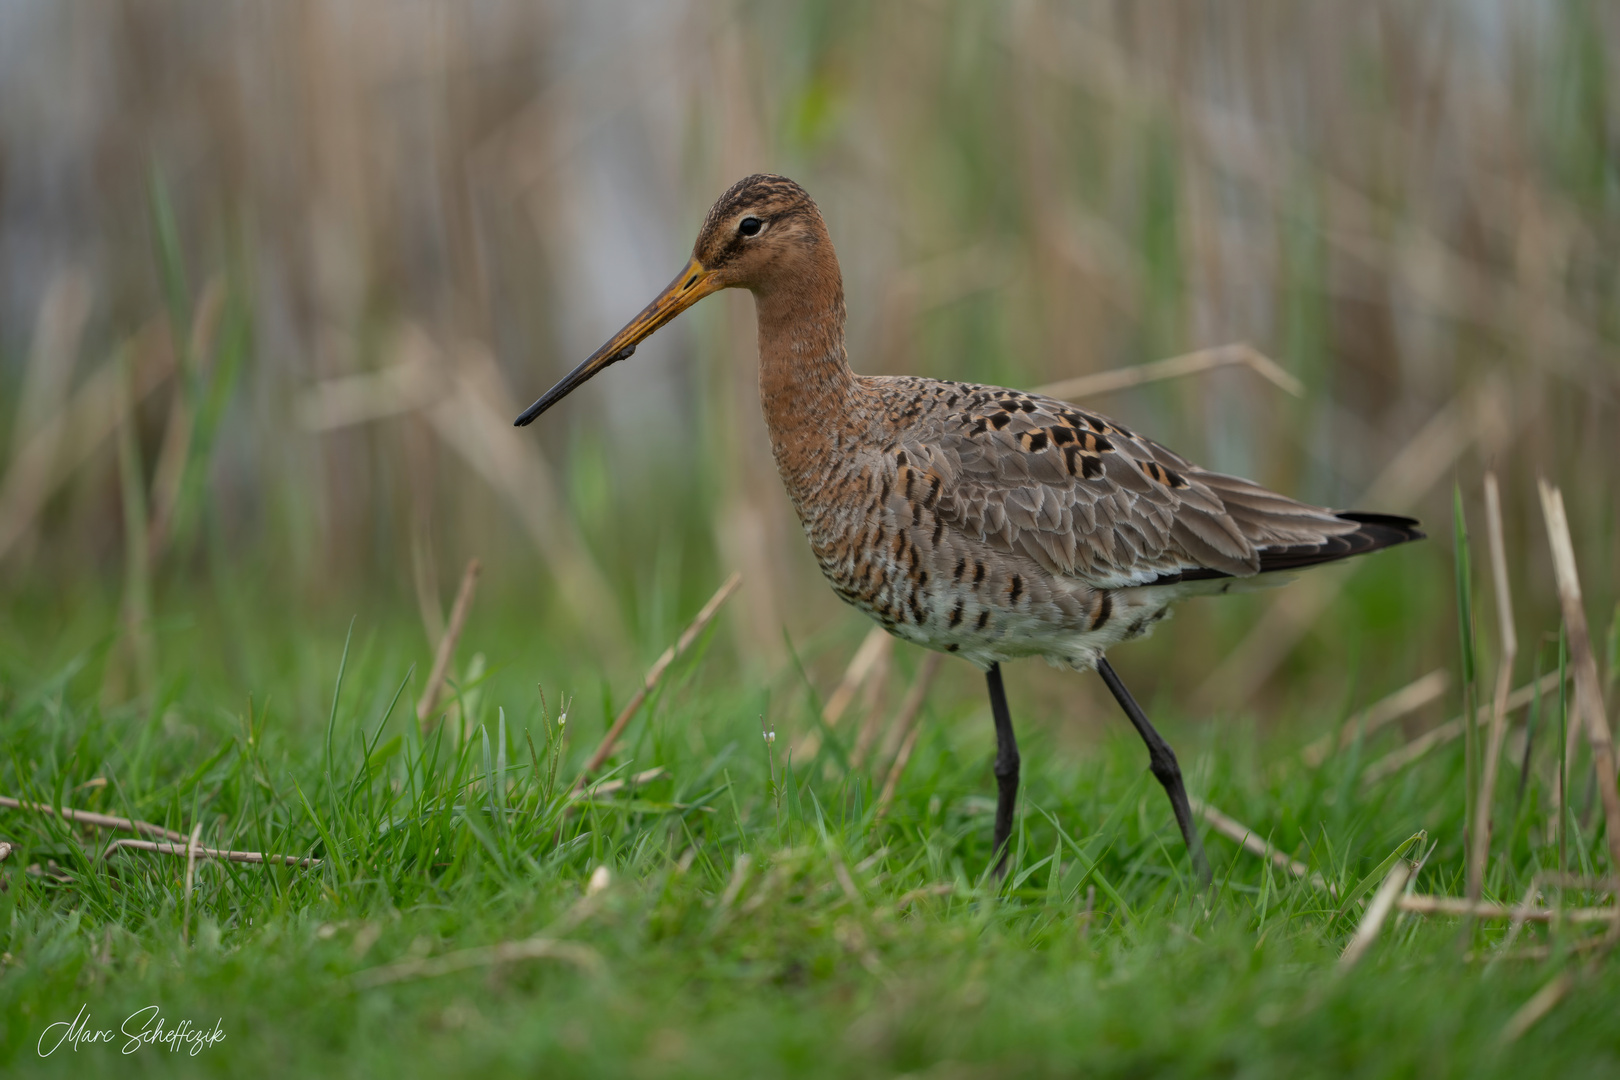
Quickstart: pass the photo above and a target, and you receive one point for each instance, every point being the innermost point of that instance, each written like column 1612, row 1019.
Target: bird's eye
column 750, row 226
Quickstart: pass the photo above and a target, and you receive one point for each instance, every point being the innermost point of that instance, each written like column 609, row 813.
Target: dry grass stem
column 1538, row 953
column 1479, row 852
column 63, row 310
column 185, row 847
column 907, row 728
column 1176, row 367
column 536, row 948
column 1245, row 838
column 1517, row 924
column 1480, row 909
column 655, row 673
column 136, row 615
column 1403, row 702
column 921, row 893
column 169, row 474
column 51, row 360
column 1383, row 902
column 608, row 787
column 872, row 714
column 470, row 409
column 1412, row 472
column 1539, row 1005
column 191, row 880
column 1604, row 885
column 734, row 887
column 1231, row 142
column 447, row 644
column 588, row 904
column 425, row 573
column 874, row 647
column 1396, row 760
column 91, row 417
column 90, row 817
column 1588, row 687
column 872, row 654
column 477, row 423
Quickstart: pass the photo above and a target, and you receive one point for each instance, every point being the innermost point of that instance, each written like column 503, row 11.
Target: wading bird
column 970, row 519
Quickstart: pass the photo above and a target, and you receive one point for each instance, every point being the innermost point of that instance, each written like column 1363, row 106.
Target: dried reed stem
column 1480, row 909
column 90, row 817
column 170, row 471
column 876, row 643
column 905, row 723
column 91, row 416
column 734, row 888
column 1403, row 702
column 1234, row 143
column 535, row 948
column 1245, row 838
column 1539, row 1005
column 655, row 673
column 188, row 848
column 137, row 607
column 872, row 717
column 63, row 311
column 447, row 644
column 1414, row 470
column 1396, row 760
column 477, row 424
column 1383, row 902
column 1600, row 943
column 608, row 787
column 1479, row 854
column 1176, row 367
column 469, row 407
column 1516, row 925
column 874, row 650
column 424, row 570
column 1588, row 688
column 44, row 391
column 922, row 893
column 191, row 880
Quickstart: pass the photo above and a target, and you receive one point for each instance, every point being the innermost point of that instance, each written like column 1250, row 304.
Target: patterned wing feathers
column 1086, row 498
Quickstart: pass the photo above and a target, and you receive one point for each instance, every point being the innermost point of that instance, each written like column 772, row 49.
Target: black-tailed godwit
column 971, row 519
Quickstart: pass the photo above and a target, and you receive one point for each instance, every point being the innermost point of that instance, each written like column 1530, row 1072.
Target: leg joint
column 1164, row 766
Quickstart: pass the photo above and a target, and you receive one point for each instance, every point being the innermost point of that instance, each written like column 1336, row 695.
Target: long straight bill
column 694, row 283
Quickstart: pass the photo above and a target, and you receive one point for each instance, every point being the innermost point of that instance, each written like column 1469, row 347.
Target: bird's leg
column 1162, row 760
column 1006, row 767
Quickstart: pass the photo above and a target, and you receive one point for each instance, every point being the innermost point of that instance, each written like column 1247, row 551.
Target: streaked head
column 756, row 234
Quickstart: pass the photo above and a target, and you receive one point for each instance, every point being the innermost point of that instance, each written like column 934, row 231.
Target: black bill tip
column 569, row 383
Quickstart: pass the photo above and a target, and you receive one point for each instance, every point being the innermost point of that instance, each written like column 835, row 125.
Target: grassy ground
column 308, row 261
column 743, row 925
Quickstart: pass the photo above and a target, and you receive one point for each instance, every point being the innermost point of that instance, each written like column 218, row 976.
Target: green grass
column 964, row 158
column 849, row 946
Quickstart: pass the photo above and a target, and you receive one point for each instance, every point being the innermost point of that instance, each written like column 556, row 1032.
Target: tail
column 1376, row 532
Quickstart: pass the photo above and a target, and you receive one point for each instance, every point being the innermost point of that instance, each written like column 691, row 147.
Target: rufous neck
column 804, row 376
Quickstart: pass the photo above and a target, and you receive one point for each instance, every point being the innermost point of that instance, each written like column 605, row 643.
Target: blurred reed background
column 275, row 278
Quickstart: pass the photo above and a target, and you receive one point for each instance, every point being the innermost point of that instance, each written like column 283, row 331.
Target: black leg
column 1006, row 767
column 1162, row 760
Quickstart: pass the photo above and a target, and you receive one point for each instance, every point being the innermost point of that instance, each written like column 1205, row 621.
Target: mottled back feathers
column 1088, row 499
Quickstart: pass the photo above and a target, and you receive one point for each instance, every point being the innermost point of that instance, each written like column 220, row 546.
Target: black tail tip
column 1389, row 528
